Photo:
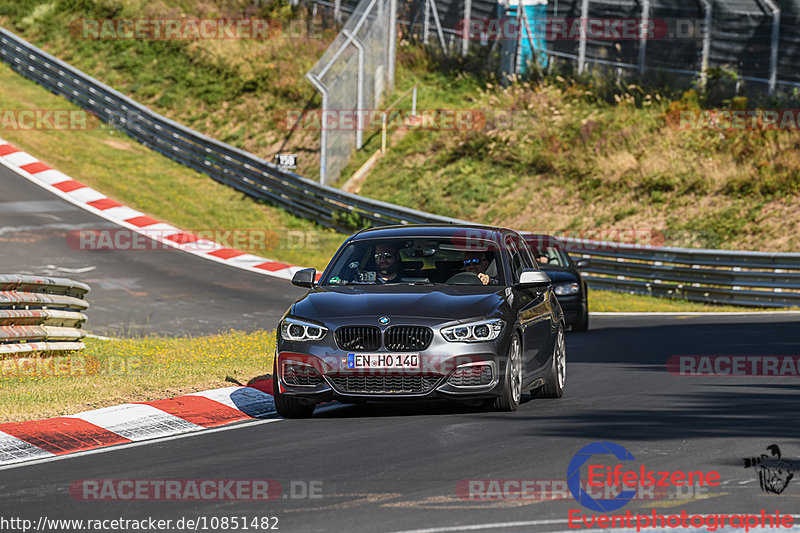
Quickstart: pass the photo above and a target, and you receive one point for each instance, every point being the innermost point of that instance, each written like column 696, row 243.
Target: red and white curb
column 99, row 204
column 131, row 422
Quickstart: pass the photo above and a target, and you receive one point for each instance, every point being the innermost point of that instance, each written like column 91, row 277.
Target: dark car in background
column 568, row 285
column 421, row 312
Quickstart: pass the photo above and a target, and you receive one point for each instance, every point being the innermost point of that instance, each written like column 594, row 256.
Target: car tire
column 286, row 406
column 512, row 384
column 556, row 377
column 582, row 324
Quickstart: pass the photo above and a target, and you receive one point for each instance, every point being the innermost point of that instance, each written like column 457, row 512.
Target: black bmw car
column 418, row 312
column 568, row 285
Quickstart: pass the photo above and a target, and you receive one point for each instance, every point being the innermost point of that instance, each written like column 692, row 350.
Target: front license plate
column 360, row 361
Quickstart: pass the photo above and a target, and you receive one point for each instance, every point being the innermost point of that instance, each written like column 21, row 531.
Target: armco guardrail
column 710, row 276
column 41, row 315
column 715, row 276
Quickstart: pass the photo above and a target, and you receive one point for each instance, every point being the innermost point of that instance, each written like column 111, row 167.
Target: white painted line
column 493, row 525
column 122, row 213
column 51, row 176
column 86, row 194
column 21, row 159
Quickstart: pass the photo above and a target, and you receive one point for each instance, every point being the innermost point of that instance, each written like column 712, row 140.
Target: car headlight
column 299, row 330
column 565, row 289
column 484, row 330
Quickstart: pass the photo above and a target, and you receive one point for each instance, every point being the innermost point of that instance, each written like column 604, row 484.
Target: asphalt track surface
column 167, row 292
column 395, row 467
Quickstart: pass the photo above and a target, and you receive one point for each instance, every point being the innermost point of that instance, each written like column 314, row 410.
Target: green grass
column 130, row 370
column 618, row 302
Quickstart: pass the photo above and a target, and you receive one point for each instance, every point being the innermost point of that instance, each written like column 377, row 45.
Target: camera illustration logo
column 774, row 473
column 601, row 505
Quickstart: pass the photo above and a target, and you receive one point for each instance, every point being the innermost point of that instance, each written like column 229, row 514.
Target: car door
column 535, row 314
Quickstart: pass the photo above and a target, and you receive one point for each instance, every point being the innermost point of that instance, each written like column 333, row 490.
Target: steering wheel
column 464, row 278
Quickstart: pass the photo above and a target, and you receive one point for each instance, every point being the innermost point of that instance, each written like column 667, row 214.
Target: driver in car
column 387, row 259
column 478, row 263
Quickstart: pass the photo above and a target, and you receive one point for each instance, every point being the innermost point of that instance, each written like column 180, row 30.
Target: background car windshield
column 550, row 256
column 423, row 260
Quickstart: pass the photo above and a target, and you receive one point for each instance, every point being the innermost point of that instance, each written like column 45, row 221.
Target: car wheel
column 512, row 388
column 557, row 375
column 582, row 324
column 286, row 406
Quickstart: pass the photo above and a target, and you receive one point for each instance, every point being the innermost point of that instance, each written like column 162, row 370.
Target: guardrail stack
column 41, row 315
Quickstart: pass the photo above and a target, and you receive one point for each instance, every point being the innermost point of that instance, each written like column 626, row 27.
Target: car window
column 515, row 258
column 424, row 260
column 551, row 256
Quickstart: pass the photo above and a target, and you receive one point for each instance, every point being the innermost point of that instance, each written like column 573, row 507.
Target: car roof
column 430, row 230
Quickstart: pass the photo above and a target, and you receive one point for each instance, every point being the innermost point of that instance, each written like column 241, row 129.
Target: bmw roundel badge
column 384, row 320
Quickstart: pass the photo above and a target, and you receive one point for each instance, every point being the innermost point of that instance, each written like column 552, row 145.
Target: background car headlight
column 484, row 330
column 565, row 289
column 298, row 330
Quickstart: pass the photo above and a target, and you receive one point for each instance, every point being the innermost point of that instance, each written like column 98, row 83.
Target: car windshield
column 550, row 256
column 428, row 260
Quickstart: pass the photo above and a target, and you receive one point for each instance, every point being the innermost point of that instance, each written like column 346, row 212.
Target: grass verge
column 130, row 370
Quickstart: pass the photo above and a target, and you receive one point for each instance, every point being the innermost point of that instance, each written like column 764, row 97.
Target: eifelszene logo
column 612, row 478
column 774, row 473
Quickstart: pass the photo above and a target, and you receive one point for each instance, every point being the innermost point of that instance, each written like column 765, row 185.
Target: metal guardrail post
column 583, row 36
column 438, row 25
column 323, row 142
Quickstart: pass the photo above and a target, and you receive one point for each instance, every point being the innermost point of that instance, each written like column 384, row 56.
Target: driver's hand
column 484, row 278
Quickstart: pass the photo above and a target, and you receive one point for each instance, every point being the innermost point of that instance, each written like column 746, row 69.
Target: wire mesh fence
column 352, row 76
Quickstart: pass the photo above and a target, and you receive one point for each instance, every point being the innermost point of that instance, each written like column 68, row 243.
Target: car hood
column 445, row 302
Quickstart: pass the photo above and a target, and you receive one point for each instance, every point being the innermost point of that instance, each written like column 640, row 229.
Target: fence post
column 706, row 42
column 582, row 43
column 426, row 22
column 323, row 141
column 337, row 11
column 465, row 28
column 518, row 52
column 359, row 87
column 438, row 26
column 644, row 29
column 773, row 52
column 392, row 44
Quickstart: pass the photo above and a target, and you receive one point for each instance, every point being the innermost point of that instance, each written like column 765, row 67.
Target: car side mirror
column 305, row 278
column 582, row 263
column 531, row 277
